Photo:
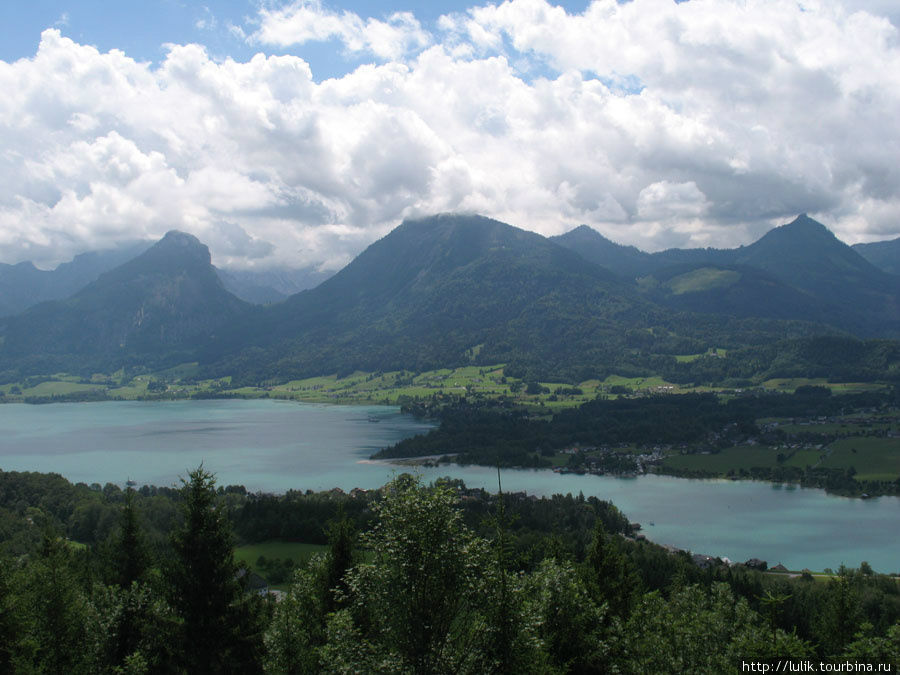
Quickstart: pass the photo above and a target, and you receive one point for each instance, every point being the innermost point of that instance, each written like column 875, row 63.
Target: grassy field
column 298, row 552
column 746, row 457
column 790, row 384
column 389, row 388
column 874, row 458
column 702, row 279
column 736, row 458
column 59, row 388
column 836, row 428
column 399, row 386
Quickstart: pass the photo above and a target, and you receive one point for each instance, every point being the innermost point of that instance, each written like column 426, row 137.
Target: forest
column 415, row 579
column 499, row 432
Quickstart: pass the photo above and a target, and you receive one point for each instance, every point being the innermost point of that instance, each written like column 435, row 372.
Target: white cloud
column 660, row 124
column 307, row 21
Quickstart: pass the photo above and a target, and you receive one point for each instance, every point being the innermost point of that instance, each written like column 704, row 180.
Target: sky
column 296, row 132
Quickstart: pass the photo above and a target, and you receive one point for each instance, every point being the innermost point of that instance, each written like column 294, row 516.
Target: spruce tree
column 340, row 559
column 611, row 577
column 130, row 548
column 220, row 633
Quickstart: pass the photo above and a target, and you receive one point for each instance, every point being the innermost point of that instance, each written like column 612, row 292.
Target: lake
column 275, row 446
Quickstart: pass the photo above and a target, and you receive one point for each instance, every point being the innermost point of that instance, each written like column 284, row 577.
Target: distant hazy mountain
column 156, row 306
column 271, row 285
column 883, row 254
column 631, row 262
column 24, row 285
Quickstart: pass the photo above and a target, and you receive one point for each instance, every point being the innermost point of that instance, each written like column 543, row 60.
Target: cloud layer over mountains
column 660, row 124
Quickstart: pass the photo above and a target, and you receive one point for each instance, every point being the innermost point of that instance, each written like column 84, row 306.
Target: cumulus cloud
column 308, row 21
column 692, row 124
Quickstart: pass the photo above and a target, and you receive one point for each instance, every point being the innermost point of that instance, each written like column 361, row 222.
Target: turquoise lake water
column 275, row 446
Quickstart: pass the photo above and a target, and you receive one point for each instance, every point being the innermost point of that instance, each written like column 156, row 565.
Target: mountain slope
column 626, row 261
column 160, row 303
column 733, row 290
column 885, row 255
column 806, row 255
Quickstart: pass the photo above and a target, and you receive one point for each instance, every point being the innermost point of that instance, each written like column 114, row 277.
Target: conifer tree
column 130, row 548
column 610, row 574
column 220, row 631
column 339, row 560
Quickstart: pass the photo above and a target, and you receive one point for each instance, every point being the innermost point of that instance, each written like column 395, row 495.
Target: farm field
column 388, row 388
column 792, row 383
column 729, row 459
column 873, row 458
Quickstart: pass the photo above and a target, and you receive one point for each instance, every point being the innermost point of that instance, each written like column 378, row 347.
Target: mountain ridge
column 810, row 273
column 437, row 291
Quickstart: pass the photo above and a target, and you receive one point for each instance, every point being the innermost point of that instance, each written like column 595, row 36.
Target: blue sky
column 296, row 132
column 141, row 29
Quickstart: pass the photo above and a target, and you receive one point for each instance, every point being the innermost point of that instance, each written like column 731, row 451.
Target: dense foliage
column 438, row 579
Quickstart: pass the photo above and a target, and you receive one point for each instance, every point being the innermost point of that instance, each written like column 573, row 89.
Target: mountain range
column 24, row 285
column 453, row 289
column 799, row 270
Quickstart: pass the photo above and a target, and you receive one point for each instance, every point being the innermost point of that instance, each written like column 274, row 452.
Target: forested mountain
column 154, row 308
column 431, row 291
column 883, row 254
column 799, row 270
column 626, row 261
column 450, row 290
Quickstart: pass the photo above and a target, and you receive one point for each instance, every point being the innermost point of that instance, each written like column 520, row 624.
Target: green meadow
column 729, row 459
column 297, row 552
column 873, row 458
column 388, row 388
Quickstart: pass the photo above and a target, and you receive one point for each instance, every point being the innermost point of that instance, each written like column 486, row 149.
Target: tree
column 297, row 630
column 611, row 577
column 837, row 625
column 135, row 629
column 704, row 630
column 55, row 614
column 10, row 622
column 569, row 622
column 130, row 548
column 339, row 559
column 415, row 607
column 220, row 629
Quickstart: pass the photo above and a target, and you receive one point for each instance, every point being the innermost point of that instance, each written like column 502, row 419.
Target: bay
column 274, row 446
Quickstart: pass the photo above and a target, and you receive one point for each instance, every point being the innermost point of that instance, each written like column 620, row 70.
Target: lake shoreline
column 275, row 446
